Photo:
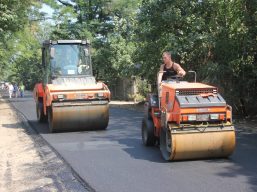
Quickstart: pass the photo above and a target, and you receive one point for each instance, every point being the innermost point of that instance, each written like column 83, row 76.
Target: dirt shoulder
column 27, row 163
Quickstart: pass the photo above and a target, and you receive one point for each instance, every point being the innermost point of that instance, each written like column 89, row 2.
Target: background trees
column 19, row 46
column 215, row 38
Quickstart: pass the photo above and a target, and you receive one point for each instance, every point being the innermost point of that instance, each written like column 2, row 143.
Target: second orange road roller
column 69, row 97
column 190, row 120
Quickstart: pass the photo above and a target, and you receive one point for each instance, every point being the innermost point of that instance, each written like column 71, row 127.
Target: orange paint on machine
column 189, row 120
column 69, row 97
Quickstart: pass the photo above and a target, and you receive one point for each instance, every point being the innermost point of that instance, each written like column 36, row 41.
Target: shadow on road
column 243, row 163
column 244, row 160
column 12, row 125
column 40, row 128
column 125, row 128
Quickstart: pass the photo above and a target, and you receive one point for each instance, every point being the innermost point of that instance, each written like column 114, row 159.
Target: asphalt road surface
column 116, row 161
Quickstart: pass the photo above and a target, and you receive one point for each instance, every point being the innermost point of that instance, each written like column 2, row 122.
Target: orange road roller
column 189, row 120
column 69, row 97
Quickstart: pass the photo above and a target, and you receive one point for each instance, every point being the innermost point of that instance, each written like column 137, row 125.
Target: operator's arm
column 159, row 78
column 180, row 71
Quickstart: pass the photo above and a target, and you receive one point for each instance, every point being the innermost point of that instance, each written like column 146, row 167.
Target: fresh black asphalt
column 115, row 160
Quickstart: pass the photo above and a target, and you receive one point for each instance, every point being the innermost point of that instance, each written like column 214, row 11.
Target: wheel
column 165, row 144
column 41, row 117
column 147, row 131
column 146, row 111
column 50, row 119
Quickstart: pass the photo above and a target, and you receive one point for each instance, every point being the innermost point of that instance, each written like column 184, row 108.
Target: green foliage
column 110, row 27
column 19, row 48
column 215, row 38
column 143, row 88
column 13, row 15
column 24, row 58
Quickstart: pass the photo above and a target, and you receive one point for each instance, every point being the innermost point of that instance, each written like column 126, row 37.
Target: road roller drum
column 78, row 116
column 197, row 144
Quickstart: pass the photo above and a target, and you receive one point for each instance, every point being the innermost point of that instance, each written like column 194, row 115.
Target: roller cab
column 190, row 121
column 69, row 97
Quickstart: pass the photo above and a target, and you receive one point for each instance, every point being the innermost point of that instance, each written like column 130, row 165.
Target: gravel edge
column 43, row 148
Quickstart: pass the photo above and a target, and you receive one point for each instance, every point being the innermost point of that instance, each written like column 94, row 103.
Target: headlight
column 214, row 116
column 100, row 94
column 60, row 96
column 191, row 117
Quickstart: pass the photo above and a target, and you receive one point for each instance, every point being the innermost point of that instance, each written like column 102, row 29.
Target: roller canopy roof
column 48, row 42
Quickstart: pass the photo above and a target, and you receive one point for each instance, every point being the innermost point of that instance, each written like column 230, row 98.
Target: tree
column 19, row 48
column 13, row 16
column 110, row 27
column 214, row 38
